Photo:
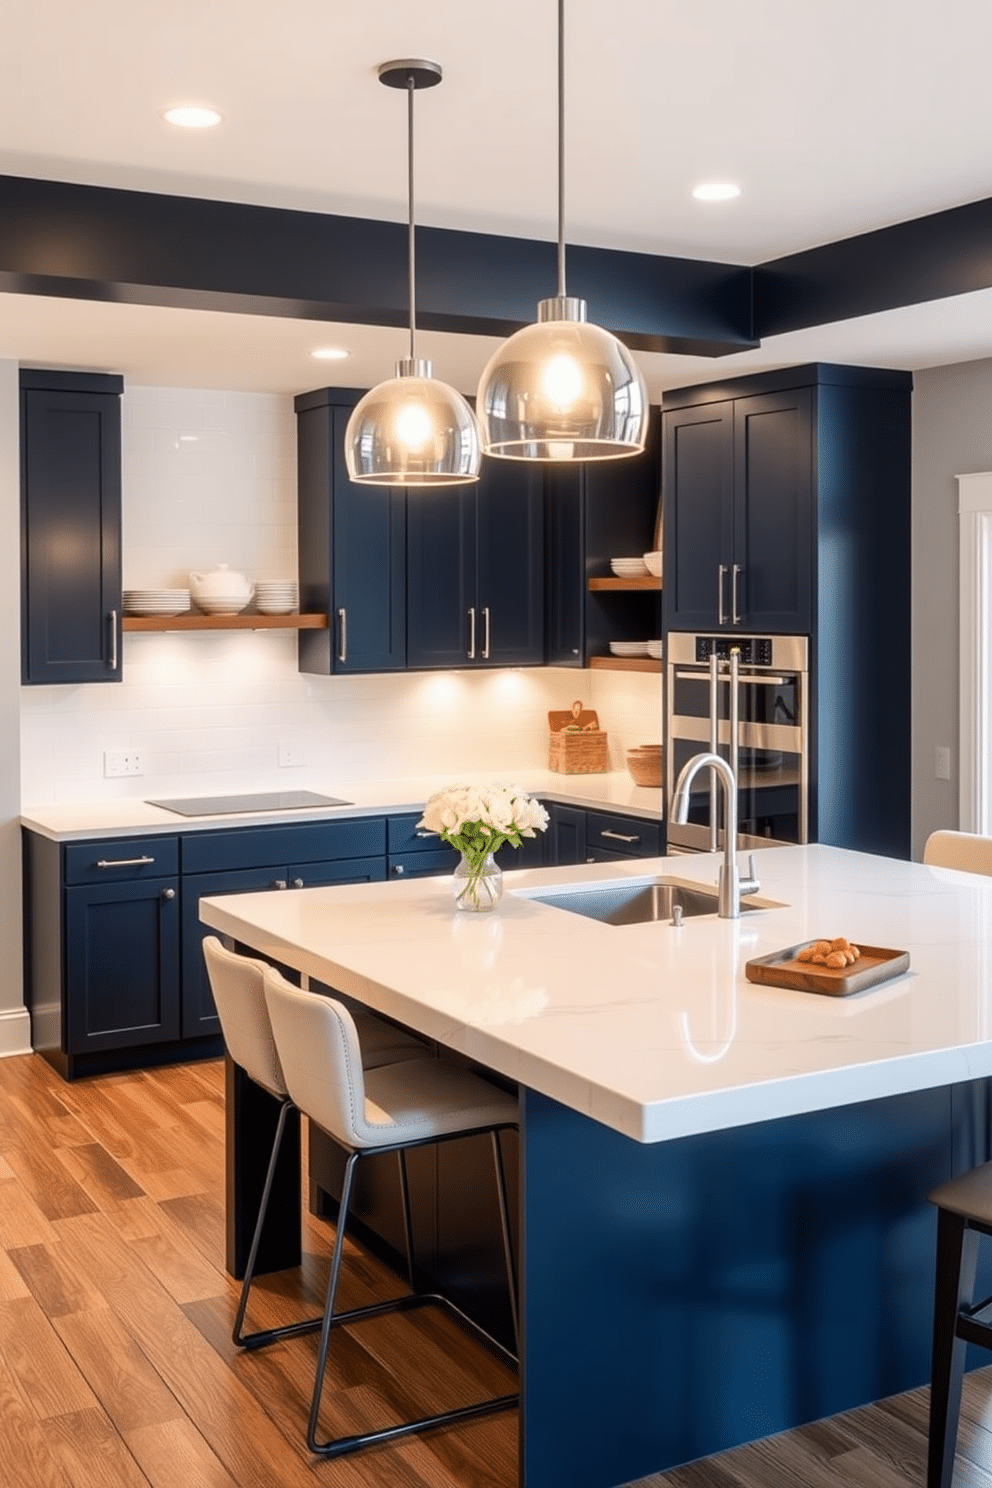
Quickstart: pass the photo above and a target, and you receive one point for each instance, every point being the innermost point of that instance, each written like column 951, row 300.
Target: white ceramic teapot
column 221, row 590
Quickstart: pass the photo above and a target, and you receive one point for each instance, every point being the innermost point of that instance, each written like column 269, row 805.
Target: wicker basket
column 576, row 744
column 645, row 764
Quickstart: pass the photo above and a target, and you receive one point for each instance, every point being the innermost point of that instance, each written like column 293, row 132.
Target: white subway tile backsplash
column 210, row 477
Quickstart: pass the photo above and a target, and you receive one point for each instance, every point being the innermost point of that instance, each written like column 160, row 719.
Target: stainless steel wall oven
column 744, row 697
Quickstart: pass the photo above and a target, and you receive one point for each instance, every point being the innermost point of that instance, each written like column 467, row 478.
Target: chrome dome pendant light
column 412, row 430
column 562, row 389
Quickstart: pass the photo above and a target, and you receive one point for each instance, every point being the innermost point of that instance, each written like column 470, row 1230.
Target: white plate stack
column 654, row 650
column 629, row 648
column 156, row 601
column 629, row 568
column 276, row 596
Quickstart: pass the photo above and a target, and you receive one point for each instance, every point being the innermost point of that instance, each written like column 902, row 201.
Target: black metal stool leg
column 332, row 1289
column 266, row 1335
column 957, row 1257
column 407, row 1219
column 504, row 1216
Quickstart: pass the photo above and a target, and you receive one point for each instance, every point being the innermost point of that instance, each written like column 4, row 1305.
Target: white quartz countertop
column 67, row 821
column 654, row 1030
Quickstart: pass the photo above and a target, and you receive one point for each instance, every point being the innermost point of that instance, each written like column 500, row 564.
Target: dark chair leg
column 332, row 1289
column 266, row 1335
column 504, row 1216
column 407, row 1219
column 957, row 1256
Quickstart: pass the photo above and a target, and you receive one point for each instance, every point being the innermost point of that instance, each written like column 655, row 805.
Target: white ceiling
column 834, row 118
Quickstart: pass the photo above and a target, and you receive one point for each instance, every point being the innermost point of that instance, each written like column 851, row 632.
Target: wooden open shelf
column 224, row 622
column 645, row 581
column 625, row 663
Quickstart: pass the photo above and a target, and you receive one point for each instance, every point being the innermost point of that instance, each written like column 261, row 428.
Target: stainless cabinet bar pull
column 618, row 836
column 168, row 893
column 714, row 749
column 425, row 834
column 721, row 613
column 485, row 644
column 342, row 635
column 471, row 633
column 735, row 718
column 113, row 640
column 735, row 594
column 753, row 679
column 123, row 862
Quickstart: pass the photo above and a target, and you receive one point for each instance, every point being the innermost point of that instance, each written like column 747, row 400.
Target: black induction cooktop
column 297, row 800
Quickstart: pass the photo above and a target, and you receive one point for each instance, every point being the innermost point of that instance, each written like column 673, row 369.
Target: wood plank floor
column 117, row 1369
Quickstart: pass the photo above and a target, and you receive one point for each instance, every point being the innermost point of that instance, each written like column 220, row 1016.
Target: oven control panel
column 752, row 650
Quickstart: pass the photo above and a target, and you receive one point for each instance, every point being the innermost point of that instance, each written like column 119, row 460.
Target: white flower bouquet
column 477, row 820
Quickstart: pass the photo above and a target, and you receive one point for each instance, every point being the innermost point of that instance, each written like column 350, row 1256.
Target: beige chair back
column 238, row 986
column 964, row 850
column 322, row 1062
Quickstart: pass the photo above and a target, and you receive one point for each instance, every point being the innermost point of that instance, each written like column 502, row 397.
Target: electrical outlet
column 942, row 762
column 291, row 755
column 123, row 762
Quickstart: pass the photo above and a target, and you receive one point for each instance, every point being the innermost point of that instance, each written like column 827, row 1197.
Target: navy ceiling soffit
column 928, row 258
column 99, row 243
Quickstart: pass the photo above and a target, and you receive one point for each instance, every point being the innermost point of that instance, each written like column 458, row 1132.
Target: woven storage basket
column 576, row 744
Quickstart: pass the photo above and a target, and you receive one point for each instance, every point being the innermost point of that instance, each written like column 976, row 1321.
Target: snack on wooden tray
column 833, row 953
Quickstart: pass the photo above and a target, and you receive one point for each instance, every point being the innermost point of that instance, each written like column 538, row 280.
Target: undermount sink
column 636, row 903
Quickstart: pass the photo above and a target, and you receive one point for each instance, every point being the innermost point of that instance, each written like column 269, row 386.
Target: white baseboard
column 15, row 1031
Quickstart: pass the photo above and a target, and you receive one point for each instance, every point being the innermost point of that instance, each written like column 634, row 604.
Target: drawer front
column 404, row 837
column 423, row 864
column 630, row 835
column 111, row 861
column 258, row 847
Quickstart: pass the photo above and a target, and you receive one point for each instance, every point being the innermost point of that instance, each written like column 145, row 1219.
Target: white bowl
column 653, row 563
column 654, row 650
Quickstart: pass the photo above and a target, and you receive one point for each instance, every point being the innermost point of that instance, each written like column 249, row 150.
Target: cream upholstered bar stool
column 967, row 851
column 964, row 1214
column 389, row 1109
column 238, row 986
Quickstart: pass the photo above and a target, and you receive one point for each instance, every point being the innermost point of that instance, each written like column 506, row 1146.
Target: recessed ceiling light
column 330, row 353
column 716, row 191
column 192, row 116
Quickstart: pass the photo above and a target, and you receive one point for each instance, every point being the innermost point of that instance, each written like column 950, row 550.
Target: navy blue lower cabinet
column 686, row 1296
column 122, row 964
column 567, row 834
column 199, row 1013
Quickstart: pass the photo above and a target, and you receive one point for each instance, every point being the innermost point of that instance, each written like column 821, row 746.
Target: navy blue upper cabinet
column 475, row 573
column 70, row 527
column 598, row 511
column 352, row 549
column 738, row 478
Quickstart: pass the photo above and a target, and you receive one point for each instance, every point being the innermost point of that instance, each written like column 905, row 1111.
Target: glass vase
column 477, row 883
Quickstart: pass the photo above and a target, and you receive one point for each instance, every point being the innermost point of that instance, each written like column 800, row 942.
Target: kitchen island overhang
column 724, row 1223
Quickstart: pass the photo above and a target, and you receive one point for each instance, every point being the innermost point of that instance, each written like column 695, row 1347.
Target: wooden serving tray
column 781, row 969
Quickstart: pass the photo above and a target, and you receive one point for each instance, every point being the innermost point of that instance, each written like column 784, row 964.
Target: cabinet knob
column 297, row 883
column 398, row 869
column 168, row 893
column 279, row 883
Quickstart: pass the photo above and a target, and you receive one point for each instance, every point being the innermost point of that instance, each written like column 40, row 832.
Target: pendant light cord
column 411, row 87
column 561, row 148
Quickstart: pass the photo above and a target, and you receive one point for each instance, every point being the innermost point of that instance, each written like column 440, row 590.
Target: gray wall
column 14, row 1026
column 952, row 435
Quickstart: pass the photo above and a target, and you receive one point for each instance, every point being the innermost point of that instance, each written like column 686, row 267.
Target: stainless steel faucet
column 732, row 886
